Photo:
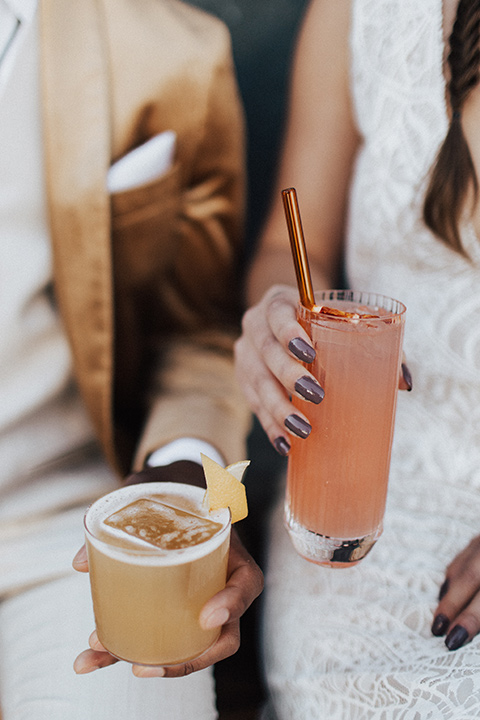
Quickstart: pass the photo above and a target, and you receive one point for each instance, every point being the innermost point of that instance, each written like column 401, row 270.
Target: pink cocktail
column 337, row 477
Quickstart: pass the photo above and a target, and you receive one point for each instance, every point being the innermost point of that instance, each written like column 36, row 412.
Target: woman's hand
column 458, row 613
column 268, row 359
column 244, row 584
column 268, row 367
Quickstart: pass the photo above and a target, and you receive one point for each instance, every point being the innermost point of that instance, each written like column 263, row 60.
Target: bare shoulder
column 326, row 29
column 333, row 14
column 321, row 138
column 321, row 97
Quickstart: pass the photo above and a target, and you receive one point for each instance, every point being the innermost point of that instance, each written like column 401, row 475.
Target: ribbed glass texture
column 337, row 477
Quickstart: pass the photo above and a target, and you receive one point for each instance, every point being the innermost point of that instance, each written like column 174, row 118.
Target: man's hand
column 244, row 584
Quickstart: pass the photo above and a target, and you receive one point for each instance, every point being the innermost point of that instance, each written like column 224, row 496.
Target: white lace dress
column 356, row 644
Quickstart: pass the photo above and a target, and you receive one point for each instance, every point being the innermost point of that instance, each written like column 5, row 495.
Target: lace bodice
column 399, row 93
column 356, row 644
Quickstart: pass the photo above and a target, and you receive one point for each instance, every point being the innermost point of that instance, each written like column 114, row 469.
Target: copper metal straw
column 299, row 251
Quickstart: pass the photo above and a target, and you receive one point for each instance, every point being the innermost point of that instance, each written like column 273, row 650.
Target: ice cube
column 162, row 525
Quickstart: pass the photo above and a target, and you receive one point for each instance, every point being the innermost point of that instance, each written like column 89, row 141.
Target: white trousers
column 43, row 629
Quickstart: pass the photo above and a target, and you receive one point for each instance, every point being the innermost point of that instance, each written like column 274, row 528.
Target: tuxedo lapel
column 77, row 141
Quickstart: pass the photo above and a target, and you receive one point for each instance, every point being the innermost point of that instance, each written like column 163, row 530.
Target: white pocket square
column 146, row 163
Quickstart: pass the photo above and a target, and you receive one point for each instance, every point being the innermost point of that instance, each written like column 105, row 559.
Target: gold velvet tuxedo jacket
column 145, row 278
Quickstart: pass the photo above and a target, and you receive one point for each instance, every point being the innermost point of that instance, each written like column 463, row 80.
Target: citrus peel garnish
column 224, row 487
column 334, row 312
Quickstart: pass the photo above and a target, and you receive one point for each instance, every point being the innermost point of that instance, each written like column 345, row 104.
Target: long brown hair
column 453, row 171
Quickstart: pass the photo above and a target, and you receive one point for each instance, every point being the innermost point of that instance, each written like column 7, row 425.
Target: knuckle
column 267, row 344
column 253, row 399
column 260, row 583
column 235, row 645
column 232, row 641
column 187, row 669
column 277, row 302
column 471, row 575
column 470, row 620
column 248, row 319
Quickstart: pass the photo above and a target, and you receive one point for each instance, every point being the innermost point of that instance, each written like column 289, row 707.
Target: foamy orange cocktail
column 156, row 556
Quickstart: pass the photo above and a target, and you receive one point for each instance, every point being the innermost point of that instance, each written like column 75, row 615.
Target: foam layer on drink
column 155, row 523
column 162, row 525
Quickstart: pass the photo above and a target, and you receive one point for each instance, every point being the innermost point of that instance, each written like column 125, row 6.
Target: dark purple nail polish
column 440, row 625
column 302, row 350
column 456, row 637
column 281, row 446
column 407, row 376
column 444, row 589
column 298, row 426
column 309, row 389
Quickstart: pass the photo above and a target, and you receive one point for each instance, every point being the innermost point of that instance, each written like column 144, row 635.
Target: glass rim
column 151, row 555
column 396, row 310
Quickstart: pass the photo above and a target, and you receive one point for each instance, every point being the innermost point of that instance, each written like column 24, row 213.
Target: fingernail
column 81, row 668
column 81, row 555
column 444, row 589
column 84, row 670
column 407, row 376
column 309, row 389
column 143, row 671
column 298, row 426
column 440, row 625
column 456, row 637
column 281, row 446
column 302, row 350
column 216, row 619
